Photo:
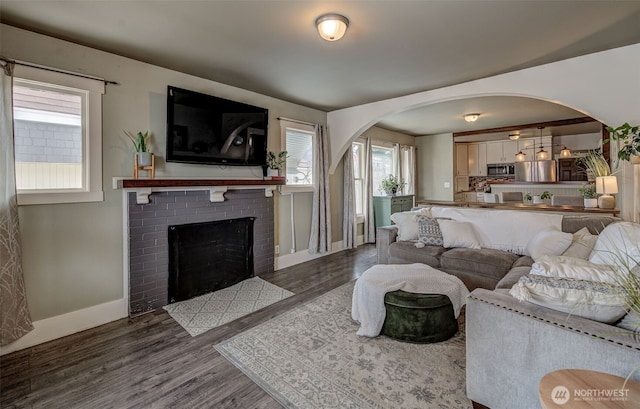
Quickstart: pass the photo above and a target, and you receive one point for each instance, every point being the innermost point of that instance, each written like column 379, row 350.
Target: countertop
column 522, row 206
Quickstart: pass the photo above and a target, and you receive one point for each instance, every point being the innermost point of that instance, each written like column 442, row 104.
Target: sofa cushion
column 595, row 224
column 581, row 245
column 548, row 242
column 429, row 231
column 406, row 252
column 487, row 262
column 458, row 234
column 588, row 299
column 512, row 277
column 407, row 224
column 524, row 261
column 577, row 269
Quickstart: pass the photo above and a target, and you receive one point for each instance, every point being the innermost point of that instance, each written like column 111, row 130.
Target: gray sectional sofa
column 510, row 344
column 477, row 268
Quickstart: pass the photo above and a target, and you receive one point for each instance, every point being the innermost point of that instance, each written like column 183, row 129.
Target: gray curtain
column 349, row 225
column 369, row 222
column 14, row 314
column 320, row 237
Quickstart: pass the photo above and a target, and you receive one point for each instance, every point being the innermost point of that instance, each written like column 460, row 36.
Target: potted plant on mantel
column 275, row 163
column 629, row 137
column 141, row 144
column 391, row 185
column 588, row 193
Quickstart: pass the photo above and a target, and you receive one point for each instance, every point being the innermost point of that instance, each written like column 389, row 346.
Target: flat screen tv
column 206, row 129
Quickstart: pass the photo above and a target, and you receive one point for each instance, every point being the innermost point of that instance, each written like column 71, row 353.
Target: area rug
column 310, row 357
column 202, row 313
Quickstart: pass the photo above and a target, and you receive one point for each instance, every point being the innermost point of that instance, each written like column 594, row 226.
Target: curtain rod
column 42, row 67
column 281, row 118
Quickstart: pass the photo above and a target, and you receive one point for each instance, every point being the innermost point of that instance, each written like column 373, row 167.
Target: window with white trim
column 358, row 155
column 298, row 140
column 58, row 137
column 383, row 163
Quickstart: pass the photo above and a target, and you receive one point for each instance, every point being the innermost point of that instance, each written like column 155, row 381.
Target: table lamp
column 606, row 185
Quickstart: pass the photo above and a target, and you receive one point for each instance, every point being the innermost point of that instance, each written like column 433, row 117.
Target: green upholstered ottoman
column 418, row 318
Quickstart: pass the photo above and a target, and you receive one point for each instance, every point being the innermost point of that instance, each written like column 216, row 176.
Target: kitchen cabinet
column 501, row 151
column 477, row 153
column 462, row 159
column 466, row 197
column 385, row 206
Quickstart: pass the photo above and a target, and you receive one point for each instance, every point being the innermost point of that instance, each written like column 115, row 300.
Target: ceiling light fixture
column 332, row 27
column 565, row 152
column 542, row 154
column 471, row 117
column 514, row 136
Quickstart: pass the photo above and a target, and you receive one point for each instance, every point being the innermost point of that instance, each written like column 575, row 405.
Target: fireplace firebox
column 209, row 256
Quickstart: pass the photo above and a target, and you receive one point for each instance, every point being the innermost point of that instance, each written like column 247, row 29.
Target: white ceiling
column 392, row 48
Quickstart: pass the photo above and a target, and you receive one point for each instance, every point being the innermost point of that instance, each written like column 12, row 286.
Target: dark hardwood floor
column 151, row 362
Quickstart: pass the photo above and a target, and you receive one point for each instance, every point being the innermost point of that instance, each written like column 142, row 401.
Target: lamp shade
column 565, row 152
column 520, row 157
column 542, row 154
column 332, row 27
column 606, row 185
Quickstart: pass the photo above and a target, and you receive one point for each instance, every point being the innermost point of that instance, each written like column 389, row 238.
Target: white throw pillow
column 408, row 224
column 582, row 244
column 576, row 268
column 548, row 242
column 596, row 301
column 458, row 234
column 618, row 244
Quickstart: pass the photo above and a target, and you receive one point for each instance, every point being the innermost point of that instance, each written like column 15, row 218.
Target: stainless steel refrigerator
column 536, row 171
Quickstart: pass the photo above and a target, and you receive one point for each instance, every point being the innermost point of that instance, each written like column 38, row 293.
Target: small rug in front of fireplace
column 200, row 314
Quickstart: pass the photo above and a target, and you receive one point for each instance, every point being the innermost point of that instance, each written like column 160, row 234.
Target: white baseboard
column 66, row 324
column 289, row 260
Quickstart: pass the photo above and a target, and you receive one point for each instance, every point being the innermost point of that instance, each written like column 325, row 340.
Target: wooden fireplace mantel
column 216, row 187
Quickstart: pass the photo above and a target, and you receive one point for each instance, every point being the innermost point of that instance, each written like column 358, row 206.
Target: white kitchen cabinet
column 462, row 159
column 477, row 159
column 501, row 151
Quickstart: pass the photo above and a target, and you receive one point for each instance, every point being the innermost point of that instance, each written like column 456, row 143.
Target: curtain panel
column 320, row 237
column 369, row 222
column 15, row 320
column 349, row 225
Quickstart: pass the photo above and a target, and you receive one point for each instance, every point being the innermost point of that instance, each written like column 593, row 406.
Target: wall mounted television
column 205, row 129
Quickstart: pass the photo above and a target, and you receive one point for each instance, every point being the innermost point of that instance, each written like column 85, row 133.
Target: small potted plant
column 391, row 185
column 629, row 137
column 527, row 198
column 140, row 142
column 588, row 192
column 275, row 162
column 546, row 197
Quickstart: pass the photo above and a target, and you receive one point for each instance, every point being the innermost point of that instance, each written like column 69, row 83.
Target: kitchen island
column 522, row 206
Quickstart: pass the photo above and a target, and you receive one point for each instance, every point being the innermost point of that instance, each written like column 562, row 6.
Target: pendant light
column 542, row 154
column 565, row 152
column 520, row 156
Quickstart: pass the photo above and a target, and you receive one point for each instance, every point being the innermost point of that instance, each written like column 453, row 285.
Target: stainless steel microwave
column 501, row 170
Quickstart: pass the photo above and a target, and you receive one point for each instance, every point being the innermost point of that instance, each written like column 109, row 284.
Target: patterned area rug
column 200, row 314
column 310, row 357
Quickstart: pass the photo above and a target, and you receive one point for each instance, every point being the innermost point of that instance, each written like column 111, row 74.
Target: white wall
column 73, row 253
column 435, row 167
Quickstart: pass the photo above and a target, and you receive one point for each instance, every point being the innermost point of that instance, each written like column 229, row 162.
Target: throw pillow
column 630, row 321
column 588, row 299
column 548, row 242
column 582, row 244
column 618, row 244
column 429, row 231
column 576, row 268
column 458, row 234
column 407, row 224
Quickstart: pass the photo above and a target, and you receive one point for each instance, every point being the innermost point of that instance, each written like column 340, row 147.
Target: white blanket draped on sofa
column 508, row 230
column 367, row 304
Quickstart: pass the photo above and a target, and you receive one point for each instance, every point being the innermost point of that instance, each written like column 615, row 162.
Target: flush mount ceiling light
column 514, row 136
column 332, row 26
column 471, row 117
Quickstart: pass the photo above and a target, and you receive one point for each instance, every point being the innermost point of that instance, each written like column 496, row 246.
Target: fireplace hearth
column 210, row 256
